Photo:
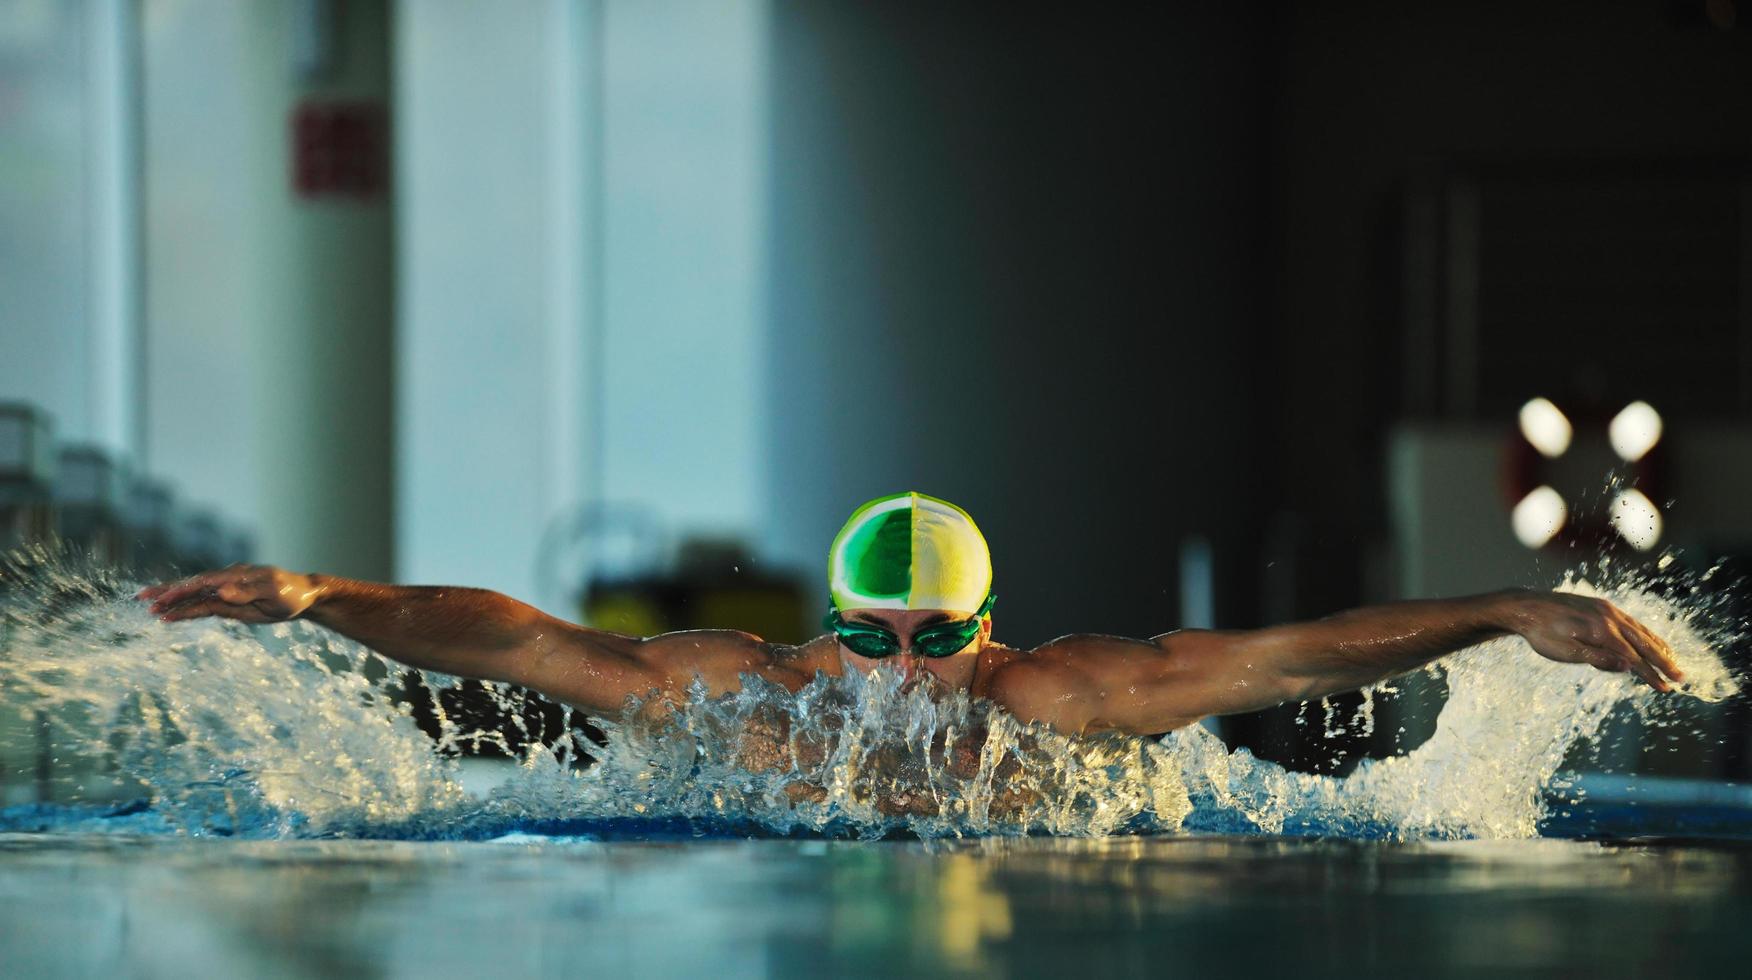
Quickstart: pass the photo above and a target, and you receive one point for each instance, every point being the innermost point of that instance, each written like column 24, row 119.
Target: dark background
column 1152, row 264
column 1114, row 279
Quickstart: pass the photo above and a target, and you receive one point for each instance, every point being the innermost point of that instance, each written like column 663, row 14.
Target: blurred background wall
column 170, row 298
column 584, row 279
column 1214, row 314
column 1010, row 269
column 1602, row 148
column 268, row 317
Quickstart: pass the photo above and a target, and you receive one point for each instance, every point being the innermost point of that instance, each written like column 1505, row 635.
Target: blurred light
column 1636, row 519
column 1634, row 431
column 1539, row 516
column 1545, row 427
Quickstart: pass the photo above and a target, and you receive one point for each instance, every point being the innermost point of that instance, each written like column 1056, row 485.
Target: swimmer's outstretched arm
column 1091, row 683
column 475, row 633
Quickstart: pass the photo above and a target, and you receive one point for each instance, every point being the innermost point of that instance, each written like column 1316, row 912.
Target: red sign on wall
column 340, row 149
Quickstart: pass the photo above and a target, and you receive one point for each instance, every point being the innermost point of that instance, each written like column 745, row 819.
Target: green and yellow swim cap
column 909, row 551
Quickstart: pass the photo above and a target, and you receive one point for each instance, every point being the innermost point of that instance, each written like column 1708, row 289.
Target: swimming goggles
column 936, row 640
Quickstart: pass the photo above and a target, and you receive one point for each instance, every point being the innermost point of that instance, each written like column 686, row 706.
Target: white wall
column 683, row 153
column 581, row 242
column 490, row 353
column 204, row 181
column 268, row 318
column 162, row 292
column 68, row 255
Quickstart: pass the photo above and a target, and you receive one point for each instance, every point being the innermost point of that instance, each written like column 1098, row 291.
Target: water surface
column 1163, row 906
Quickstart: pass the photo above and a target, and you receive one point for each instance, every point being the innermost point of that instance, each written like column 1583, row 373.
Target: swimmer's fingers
column 1615, row 631
column 172, row 591
column 214, row 606
column 1602, row 654
column 193, row 607
column 1582, row 629
column 192, row 603
column 1652, row 648
column 165, row 596
column 1648, row 656
column 247, row 593
column 1615, row 653
column 176, row 589
column 238, row 583
column 182, row 588
column 1649, row 674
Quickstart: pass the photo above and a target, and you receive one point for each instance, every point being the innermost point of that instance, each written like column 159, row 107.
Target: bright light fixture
column 1636, row 519
column 1539, row 516
column 1545, row 427
column 1634, row 431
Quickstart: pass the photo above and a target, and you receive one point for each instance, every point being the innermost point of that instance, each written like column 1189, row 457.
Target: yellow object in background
column 715, row 587
column 625, row 611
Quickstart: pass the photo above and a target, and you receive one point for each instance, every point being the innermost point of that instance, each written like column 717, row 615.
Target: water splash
column 291, row 731
column 874, row 755
column 1511, row 718
column 272, row 732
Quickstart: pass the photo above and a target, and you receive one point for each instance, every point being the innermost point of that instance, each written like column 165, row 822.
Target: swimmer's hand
column 1575, row 629
column 247, row 593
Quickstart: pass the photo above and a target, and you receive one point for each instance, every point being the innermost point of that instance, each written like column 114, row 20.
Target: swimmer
column 910, row 587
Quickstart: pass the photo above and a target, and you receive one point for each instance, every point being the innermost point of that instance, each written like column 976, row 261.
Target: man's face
column 955, row 671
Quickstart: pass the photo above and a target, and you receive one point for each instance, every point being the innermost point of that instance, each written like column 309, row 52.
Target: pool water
column 1161, row 905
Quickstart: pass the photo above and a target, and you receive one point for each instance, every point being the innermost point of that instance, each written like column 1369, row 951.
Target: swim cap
column 909, row 551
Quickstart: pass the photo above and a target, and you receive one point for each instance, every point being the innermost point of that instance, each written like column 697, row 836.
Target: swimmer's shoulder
column 1011, row 663
column 798, row 663
column 1052, row 663
column 720, row 657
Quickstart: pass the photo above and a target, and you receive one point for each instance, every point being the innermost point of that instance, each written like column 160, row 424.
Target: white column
column 492, row 402
column 44, row 220
column 268, row 320
column 113, row 207
column 582, row 252
column 684, row 253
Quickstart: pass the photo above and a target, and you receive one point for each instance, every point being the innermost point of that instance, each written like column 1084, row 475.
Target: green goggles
column 936, row 640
